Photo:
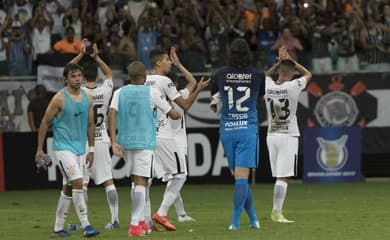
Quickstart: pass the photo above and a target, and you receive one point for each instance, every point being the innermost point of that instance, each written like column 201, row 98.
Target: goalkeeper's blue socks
column 239, row 198
column 250, row 210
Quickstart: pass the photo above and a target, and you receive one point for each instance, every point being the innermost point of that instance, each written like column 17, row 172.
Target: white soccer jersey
column 179, row 125
column 168, row 91
column 281, row 102
column 101, row 98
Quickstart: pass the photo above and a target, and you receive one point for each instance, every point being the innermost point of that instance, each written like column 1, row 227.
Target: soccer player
column 133, row 113
column 71, row 113
column 178, row 128
column 281, row 97
column 239, row 87
column 165, row 164
column 101, row 170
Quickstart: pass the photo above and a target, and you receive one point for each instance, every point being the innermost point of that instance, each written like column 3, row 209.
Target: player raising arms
column 281, row 98
column 239, row 87
column 166, row 165
column 101, row 171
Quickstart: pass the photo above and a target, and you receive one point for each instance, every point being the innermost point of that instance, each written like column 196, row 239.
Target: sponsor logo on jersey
column 98, row 97
column 239, row 76
column 332, row 155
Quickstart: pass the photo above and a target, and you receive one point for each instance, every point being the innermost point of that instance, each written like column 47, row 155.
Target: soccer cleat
column 185, row 218
column 111, row 226
column 255, row 225
column 278, row 217
column 89, row 231
column 163, row 220
column 154, row 228
column 233, row 227
column 135, row 231
column 145, row 227
column 61, row 234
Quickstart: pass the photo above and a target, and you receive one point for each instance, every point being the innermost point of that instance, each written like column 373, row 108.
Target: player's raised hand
column 94, row 53
column 83, row 47
column 174, row 58
column 202, row 84
column 117, row 150
column 283, row 54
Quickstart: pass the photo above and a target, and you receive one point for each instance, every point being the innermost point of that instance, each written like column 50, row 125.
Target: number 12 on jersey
column 237, row 102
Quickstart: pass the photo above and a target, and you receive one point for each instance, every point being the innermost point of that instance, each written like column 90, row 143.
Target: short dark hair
column 90, row 69
column 71, row 67
column 136, row 71
column 239, row 54
column 286, row 66
column 156, row 55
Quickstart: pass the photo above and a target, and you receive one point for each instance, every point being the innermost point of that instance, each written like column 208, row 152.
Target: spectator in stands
column 37, row 107
column 21, row 11
column 265, row 39
column 348, row 60
column 69, row 44
column 242, row 30
column 372, row 40
column 386, row 23
column 146, row 40
column 56, row 10
column 167, row 39
column 72, row 19
column 4, row 20
column 41, row 32
column 288, row 41
column 320, row 37
column 217, row 44
column 113, row 40
column 18, row 48
column 193, row 50
column 127, row 48
column 105, row 13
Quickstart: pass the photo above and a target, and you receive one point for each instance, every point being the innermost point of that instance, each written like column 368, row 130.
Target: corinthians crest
column 336, row 109
column 332, row 154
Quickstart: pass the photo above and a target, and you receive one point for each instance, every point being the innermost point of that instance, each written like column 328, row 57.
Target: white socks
column 80, row 206
column 179, row 206
column 112, row 199
column 147, row 208
column 171, row 192
column 63, row 205
column 280, row 190
column 137, row 204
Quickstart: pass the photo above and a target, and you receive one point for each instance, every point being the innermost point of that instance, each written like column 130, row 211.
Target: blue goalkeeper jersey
column 239, row 89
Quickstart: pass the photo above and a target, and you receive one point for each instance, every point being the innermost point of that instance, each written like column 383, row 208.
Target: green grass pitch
column 321, row 211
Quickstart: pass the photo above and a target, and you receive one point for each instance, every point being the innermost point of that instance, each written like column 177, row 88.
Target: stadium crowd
column 325, row 36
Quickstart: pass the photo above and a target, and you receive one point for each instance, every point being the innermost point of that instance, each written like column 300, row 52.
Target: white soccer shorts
column 283, row 155
column 170, row 159
column 70, row 164
column 101, row 169
column 140, row 162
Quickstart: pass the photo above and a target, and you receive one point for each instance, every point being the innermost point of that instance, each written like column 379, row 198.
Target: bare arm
column 82, row 52
column 175, row 115
column 303, row 71
column 271, row 71
column 53, row 109
column 103, row 66
column 31, row 122
column 187, row 103
column 116, row 148
column 91, row 133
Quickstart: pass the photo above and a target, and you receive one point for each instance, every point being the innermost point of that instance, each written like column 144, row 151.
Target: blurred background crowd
column 324, row 35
